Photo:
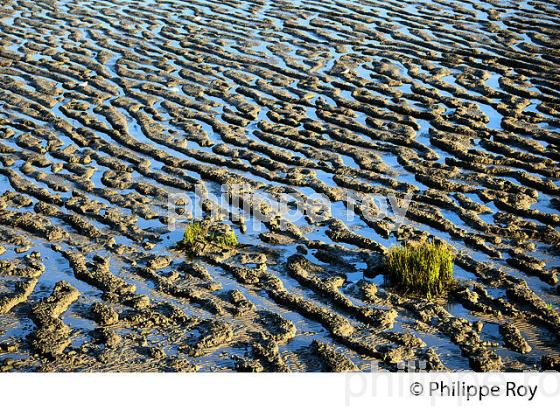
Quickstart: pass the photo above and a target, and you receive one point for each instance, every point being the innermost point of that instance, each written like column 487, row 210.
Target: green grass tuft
column 423, row 269
column 194, row 233
column 225, row 240
column 197, row 236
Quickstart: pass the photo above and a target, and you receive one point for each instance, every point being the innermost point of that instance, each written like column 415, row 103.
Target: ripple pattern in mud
column 107, row 108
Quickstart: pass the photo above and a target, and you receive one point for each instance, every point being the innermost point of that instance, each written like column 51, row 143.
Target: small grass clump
column 198, row 236
column 224, row 240
column 194, row 233
column 423, row 269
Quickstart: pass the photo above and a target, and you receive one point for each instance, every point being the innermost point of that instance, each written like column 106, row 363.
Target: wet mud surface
column 108, row 107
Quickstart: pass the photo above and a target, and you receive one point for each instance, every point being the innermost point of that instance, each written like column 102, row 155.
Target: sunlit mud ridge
column 447, row 109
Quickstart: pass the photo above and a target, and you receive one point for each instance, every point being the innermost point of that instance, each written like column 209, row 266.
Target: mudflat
column 315, row 135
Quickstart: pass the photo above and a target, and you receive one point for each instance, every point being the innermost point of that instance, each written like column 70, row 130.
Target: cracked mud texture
column 107, row 107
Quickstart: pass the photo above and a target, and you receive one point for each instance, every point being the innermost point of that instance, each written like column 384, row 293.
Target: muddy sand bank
column 447, row 110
